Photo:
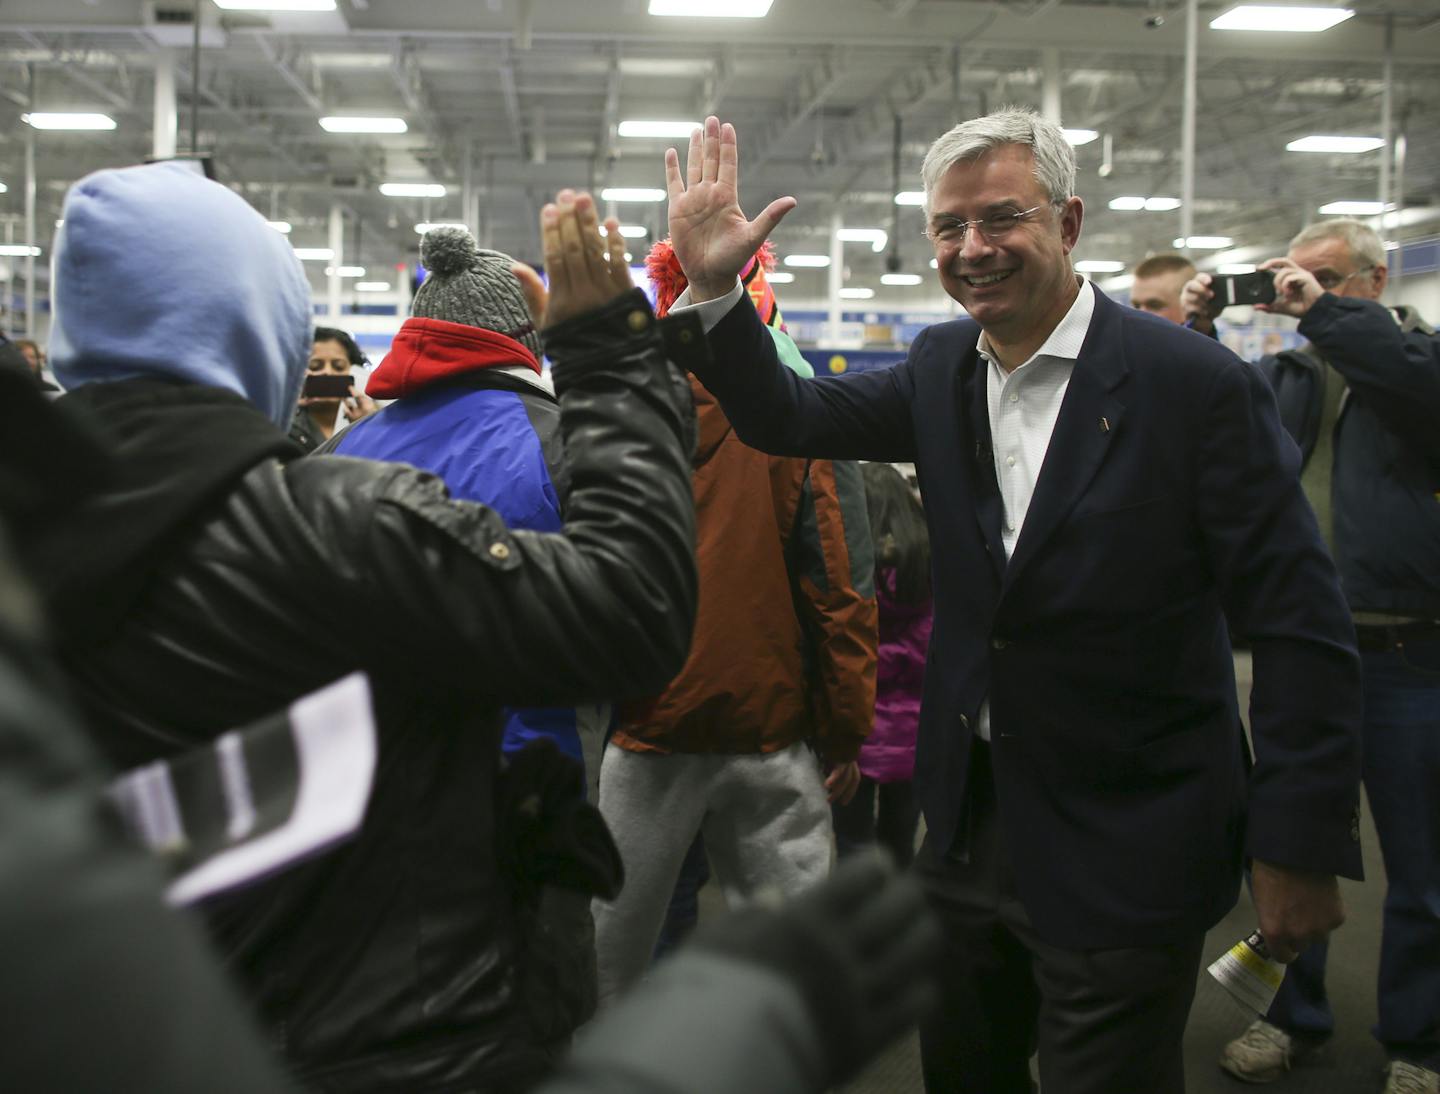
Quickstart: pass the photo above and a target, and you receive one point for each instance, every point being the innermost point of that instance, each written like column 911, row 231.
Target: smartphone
column 1247, row 288
column 326, row 385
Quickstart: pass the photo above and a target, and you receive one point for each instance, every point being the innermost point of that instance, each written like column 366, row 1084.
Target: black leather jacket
column 397, row 961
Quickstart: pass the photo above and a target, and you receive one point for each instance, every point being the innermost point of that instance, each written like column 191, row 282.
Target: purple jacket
column 888, row 754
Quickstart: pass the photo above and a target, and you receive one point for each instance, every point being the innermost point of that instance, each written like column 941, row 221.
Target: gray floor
column 1350, row 1064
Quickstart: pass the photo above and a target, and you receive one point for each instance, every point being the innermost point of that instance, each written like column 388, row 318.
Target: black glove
column 546, row 832
column 861, row 947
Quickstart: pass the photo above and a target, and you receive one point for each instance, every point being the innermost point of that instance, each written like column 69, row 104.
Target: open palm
column 711, row 235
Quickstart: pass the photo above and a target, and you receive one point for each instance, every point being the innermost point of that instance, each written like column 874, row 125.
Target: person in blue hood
column 184, row 594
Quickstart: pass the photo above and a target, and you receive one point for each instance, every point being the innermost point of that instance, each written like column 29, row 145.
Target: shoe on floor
column 1264, row 1053
column 1403, row 1078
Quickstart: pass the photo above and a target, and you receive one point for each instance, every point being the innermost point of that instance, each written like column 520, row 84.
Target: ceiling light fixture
column 430, row 225
column 1133, row 204
column 71, row 120
column 1355, row 208
column 275, row 5
column 281, row 226
column 1272, row 18
column 779, row 277
column 876, row 237
column 18, row 250
column 632, row 193
column 1345, row 146
column 901, row 279
column 808, row 262
column 1161, row 205
column 4, row 189
column 314, row 254
column 1099, row 265
column 375, row 124
column 636, row 127
column 1077, row 137
column 629, row 231
column 1235, row 268
column 1129, row 204
column 412, row 189
column 344, row 271
column 712, row 9
column 372, row 286
column 856, row 294
column 910, row 197
column 1203, row 243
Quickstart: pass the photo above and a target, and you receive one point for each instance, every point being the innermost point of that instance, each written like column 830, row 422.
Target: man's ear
column 1380, row 277
column 1072, row 214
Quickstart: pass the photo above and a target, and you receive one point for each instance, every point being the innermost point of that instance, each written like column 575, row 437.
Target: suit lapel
column 1090, row 417
column 985, row 490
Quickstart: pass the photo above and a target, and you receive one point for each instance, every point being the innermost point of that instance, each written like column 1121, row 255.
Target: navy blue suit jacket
column 1168, row 502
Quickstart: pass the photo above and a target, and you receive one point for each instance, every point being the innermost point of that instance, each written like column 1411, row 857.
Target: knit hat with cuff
column 466, row 284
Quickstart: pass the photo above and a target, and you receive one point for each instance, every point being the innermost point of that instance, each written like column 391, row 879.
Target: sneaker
column 1264, row 1053
column 1403, row 1078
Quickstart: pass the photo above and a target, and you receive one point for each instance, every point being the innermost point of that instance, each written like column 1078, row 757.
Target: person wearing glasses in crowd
column 1103, row 492
column 1362, row 400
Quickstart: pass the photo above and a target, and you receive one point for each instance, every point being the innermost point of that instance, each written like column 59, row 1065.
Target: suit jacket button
column 499, row 552
column 998, row 643
column 964, row 722
column 638, row 321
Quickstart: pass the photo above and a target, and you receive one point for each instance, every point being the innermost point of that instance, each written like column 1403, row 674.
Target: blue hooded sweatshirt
column 159, row 272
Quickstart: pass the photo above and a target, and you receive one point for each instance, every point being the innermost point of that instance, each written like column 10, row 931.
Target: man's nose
column 974, row 246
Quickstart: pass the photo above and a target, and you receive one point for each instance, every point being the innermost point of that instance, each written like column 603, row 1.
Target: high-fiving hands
column 712, row 238
column 587, row 270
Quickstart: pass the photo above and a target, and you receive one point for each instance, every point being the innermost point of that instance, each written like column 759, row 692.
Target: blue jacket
column 1169, row 501
column 1385, row 487
column 475, row 412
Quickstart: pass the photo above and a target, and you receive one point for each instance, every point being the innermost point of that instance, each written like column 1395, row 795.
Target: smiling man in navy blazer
column 1104, row 490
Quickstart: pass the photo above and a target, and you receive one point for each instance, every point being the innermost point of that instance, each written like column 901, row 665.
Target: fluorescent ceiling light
column 910, row 197
column 1235, row 268
column 3, row 188
column 876, row 237
column 412, row 189
column 372, row 286
column 629, row 231
column 18, row 250
column 631, row 193
column 629, row 257
column 779, row 277
column 1079, row 136
column 712, row 9
column 1267, row 17
column 275, row 5
column 344, row 271
column 901, row 279
column 1099, row 265
column 856, row 294
column 281, row 226
column 430, row 225
column 1343, row 145
column 1132, row 204
column 1391, row 245
column 314, row 254
column 1203, row 243
column 343, row 124
column 68, row 120
column 1355, row 208
column 635, row 127
column 934, row 263
column 808, row 262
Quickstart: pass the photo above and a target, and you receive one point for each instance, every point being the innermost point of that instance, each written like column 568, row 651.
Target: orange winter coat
column 785, row 638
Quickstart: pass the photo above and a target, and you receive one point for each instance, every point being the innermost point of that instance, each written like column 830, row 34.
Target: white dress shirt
column 1024, row 406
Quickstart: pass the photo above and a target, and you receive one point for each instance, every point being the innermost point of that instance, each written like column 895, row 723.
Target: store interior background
column 505, row 101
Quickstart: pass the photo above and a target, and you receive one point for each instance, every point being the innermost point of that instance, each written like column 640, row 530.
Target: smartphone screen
column 326, row 385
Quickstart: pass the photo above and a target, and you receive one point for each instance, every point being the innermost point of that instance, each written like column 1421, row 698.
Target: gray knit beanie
column 465, row 284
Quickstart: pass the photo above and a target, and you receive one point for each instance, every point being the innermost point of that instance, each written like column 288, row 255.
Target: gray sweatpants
column 766, row 824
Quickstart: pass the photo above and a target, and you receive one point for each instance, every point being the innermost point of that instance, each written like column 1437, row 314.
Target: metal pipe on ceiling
column 166, row 122
column 1187, row 124
column 30, row 213
column 1387, row 95
column 195, row 83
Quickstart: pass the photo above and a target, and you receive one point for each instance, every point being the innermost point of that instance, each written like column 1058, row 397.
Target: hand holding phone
column 327, row 385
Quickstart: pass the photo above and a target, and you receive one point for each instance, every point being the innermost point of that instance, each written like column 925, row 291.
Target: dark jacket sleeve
column 1396, row 372
column 603, row 609
column 833, row 564
column 857, row 416
column 1280, row 590
column 104, row 988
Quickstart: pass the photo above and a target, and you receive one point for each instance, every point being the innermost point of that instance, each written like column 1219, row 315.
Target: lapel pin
column 1104, row 425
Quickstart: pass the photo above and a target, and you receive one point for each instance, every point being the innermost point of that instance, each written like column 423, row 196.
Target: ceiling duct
column 172, row 23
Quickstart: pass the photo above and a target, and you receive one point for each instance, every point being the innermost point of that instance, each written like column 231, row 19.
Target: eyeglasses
column 1330, row 281
column 996, row 226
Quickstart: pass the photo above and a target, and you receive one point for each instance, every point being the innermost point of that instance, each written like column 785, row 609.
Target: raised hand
column 712, row 238
column 586, row 270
